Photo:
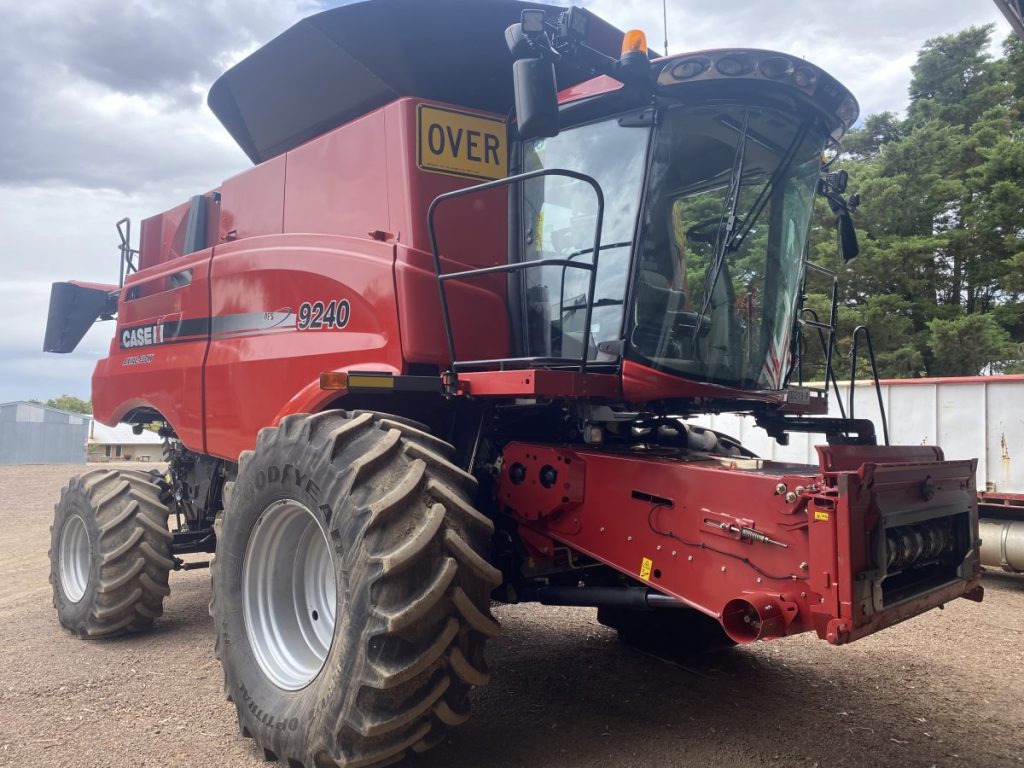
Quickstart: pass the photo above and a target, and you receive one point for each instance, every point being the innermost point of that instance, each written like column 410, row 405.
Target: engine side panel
column 156, row 355
column 284, row 309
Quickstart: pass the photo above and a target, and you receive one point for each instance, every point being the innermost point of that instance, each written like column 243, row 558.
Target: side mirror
column 536, row 97
column 846, row 237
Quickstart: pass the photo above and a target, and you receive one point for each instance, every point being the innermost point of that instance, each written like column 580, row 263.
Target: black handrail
column 863, row 330
column 830, row 375
column 566, row 263
column 124, row 230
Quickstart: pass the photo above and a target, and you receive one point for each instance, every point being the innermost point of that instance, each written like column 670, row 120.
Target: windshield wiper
column 736, row 235
column 737, row 238
column 726, row 226
column 583, row 305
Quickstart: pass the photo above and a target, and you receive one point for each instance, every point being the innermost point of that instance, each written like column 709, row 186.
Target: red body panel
column 659, row 520
column 167, row 377
column 258, row 364
column 642, row 384
column 342, row 217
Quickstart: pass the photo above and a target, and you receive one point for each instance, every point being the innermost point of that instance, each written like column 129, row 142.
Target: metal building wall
column 35, row 434
column 977, row 417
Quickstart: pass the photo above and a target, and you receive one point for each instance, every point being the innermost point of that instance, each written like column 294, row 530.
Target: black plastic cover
column 334, row 66
column 73, row 310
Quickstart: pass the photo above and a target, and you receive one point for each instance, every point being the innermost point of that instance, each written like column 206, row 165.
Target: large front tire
column 110, row 553
column 351, row 590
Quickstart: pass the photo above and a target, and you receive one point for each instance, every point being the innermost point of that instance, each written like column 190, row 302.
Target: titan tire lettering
column 326, row 511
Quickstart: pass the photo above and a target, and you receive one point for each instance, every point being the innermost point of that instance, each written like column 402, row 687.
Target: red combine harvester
column 439, row 346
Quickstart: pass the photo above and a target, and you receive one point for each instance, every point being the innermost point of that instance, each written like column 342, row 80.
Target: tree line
column 940, row 277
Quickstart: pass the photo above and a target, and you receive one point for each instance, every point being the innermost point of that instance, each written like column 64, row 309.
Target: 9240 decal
column 312, row 316
column 316, row 315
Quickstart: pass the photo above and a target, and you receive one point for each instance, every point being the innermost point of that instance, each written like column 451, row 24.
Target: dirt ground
column 941, row 690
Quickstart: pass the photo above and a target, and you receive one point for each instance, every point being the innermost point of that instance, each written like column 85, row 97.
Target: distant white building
column 31, row 433
column 120, row 443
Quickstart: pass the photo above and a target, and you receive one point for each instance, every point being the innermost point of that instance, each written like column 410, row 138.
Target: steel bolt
column 804, row 566
column 688, row 557
column 629, row 538
column 803, row 595
column 723, row 569
column 658, row 548
column 602, row 529
column 780, row 489
column 759, row 579
column 798, row 490
column 790, row 497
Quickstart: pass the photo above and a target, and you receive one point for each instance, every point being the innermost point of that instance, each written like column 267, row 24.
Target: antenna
column 664, row 12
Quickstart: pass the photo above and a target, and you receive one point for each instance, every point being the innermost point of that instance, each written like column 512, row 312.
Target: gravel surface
column 941, row 690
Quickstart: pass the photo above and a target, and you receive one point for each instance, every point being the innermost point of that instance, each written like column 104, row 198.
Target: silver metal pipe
column 1002, row 544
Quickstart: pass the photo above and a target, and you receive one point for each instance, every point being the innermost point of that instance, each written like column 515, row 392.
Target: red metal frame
column 658, row 520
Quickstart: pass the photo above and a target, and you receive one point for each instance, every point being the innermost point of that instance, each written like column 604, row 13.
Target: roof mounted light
column 805, row 77
column 734, row 65
column 533, row 21
column 773, row 70
column 776, row 67
column 848, row 111
column 688, row 68
column 634, row 41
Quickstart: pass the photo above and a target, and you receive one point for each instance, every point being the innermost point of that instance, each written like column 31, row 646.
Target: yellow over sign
column 461, row 144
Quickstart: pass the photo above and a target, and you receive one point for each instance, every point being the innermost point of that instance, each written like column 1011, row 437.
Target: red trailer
column 437, row 348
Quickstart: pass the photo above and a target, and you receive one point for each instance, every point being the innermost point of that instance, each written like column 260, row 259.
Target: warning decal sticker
column 645, row 568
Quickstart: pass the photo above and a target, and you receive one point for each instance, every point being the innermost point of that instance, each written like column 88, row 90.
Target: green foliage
column 967, row 344
column 68, row 403
column 940, row 279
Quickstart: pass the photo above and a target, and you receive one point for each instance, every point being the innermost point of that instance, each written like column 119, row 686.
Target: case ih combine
column 438, row 347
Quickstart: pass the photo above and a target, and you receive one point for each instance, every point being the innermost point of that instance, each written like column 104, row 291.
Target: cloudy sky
column 103, row 115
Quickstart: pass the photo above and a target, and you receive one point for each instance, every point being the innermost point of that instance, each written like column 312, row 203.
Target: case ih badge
column 526, row 352
column 142, row 336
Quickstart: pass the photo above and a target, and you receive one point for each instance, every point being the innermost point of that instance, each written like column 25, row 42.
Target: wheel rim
column 75, row 558
column 289, row 597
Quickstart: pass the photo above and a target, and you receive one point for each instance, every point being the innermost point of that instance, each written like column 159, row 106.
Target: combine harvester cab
column 443, row 344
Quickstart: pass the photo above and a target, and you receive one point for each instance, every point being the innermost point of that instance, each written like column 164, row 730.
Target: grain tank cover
column 334, row 66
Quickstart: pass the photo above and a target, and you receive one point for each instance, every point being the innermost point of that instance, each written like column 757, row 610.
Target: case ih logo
column 142, row 336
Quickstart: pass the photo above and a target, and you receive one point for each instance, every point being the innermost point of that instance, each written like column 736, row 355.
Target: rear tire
column 411, row 588
column 110, row 553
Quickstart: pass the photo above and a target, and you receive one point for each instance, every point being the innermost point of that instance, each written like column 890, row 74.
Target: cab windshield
column 716, row 257
column 729, row 201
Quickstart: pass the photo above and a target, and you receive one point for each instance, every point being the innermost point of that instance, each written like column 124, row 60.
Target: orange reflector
column 334, row 380
column 635, row 40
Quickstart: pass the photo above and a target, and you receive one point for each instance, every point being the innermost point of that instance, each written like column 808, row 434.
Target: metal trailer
column 970, row 417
